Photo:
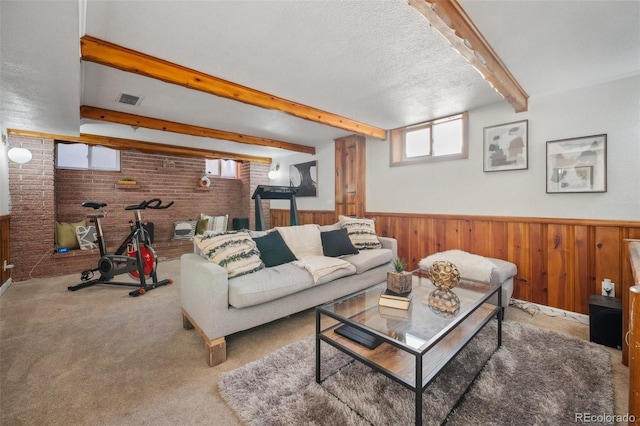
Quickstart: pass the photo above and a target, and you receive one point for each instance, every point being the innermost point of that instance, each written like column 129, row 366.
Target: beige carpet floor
column 100, row 357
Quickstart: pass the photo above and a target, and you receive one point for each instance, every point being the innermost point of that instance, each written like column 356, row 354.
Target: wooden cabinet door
column 350, row 175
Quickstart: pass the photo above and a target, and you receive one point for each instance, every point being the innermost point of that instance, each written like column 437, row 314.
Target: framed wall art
column 304, row 176
column 506, row 147
column 577, row 165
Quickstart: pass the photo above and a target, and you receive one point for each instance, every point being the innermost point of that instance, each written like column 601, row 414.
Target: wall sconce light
column 273, row 174
column 20, row 155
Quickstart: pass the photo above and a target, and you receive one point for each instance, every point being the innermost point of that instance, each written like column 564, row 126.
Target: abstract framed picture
column 577, row 165
column 304, row 176
column 506, row 147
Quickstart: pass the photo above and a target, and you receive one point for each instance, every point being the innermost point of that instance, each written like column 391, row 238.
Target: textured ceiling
column 378, row 62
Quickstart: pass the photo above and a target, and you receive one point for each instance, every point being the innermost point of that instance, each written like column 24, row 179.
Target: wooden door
column 350, row 175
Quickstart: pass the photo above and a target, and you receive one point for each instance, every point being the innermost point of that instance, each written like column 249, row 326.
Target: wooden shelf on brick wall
column 126, row 184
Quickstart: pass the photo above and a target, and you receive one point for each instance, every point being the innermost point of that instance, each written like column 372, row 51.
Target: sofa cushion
column 362, row 232
column 369, row 259
column 268, row 284
column 303, row 240
column 273, row 249
column 337, row 243
column 234, row 251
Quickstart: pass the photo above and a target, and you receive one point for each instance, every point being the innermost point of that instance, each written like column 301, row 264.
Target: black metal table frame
column 418, row 390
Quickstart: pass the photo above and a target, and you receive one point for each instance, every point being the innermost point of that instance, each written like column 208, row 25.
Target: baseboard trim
column 533, row 308
column 5, row 286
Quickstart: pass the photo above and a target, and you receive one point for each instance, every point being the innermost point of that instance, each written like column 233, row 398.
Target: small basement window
column 86, row 157
column 437, row 140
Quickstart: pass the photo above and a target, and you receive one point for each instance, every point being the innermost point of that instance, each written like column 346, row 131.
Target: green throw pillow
column 202, row 226
column 66, row 234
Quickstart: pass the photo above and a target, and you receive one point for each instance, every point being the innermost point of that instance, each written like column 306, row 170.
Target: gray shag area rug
column 537, row 377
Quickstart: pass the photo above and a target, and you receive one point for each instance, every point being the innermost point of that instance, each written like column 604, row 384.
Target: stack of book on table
column 394, row 300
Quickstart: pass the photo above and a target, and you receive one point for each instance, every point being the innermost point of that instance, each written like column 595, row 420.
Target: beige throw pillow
column 302, row 240
column 234, row 251
column 362, row 232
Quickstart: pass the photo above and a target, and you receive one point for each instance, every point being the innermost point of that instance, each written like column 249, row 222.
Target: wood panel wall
column 632, row 299
column 560, row 261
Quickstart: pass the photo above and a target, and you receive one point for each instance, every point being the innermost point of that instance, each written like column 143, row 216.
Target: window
column 86, row 157
column 222, row 168
column 437, row 140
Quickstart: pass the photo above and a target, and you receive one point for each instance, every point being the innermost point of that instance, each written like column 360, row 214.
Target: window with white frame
column 222, row 168
column 436, row 140
column 86, row 157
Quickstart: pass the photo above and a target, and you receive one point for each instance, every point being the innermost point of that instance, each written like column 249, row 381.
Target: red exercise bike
column 135, row 255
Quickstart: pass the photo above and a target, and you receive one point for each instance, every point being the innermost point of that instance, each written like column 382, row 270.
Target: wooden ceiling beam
column 449, row 18
column 142, row 146
column 115, row 56
column 186, row 129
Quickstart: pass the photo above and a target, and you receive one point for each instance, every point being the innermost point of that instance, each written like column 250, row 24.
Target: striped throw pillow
column 86, row 237
column 362, row 232
column 184, row 229
column 234, row 251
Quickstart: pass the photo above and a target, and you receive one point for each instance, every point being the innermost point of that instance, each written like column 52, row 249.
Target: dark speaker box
column 605, row 321
column 239, row 223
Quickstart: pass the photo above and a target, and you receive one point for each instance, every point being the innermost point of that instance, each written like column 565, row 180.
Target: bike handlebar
column 154, row 203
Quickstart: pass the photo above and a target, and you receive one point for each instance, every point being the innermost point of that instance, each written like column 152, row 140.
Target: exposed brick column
column 252, row 175
column 32, row 207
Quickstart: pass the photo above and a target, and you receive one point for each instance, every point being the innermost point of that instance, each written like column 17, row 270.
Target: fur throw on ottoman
column 471, row 266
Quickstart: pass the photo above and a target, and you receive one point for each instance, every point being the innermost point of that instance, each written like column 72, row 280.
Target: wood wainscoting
column 560, row 261
column 631, row 314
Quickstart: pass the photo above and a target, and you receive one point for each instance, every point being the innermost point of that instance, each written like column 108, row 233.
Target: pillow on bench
column 184, row 229
column 86, row 236
column 66, row 234
column 216, row 223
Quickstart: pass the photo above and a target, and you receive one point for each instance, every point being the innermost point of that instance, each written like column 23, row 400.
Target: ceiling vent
column 125, row 98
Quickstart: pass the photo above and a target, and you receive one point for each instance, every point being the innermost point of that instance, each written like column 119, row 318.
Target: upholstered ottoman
column 480, row 268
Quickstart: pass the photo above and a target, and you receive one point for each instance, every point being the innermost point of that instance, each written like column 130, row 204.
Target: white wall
column 4, row 177
column 326, row 179
column 461, row 186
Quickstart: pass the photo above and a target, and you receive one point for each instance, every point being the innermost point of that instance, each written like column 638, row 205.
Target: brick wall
column 252, row 175
column 32, row 207
column 40, row 195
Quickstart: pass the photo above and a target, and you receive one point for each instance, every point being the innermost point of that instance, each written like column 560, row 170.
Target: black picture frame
column 577, row 165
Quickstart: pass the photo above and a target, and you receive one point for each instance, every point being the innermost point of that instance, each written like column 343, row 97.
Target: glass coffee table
column 409, row 346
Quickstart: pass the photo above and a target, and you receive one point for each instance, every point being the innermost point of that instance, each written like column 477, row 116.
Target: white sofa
column 217, row 306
